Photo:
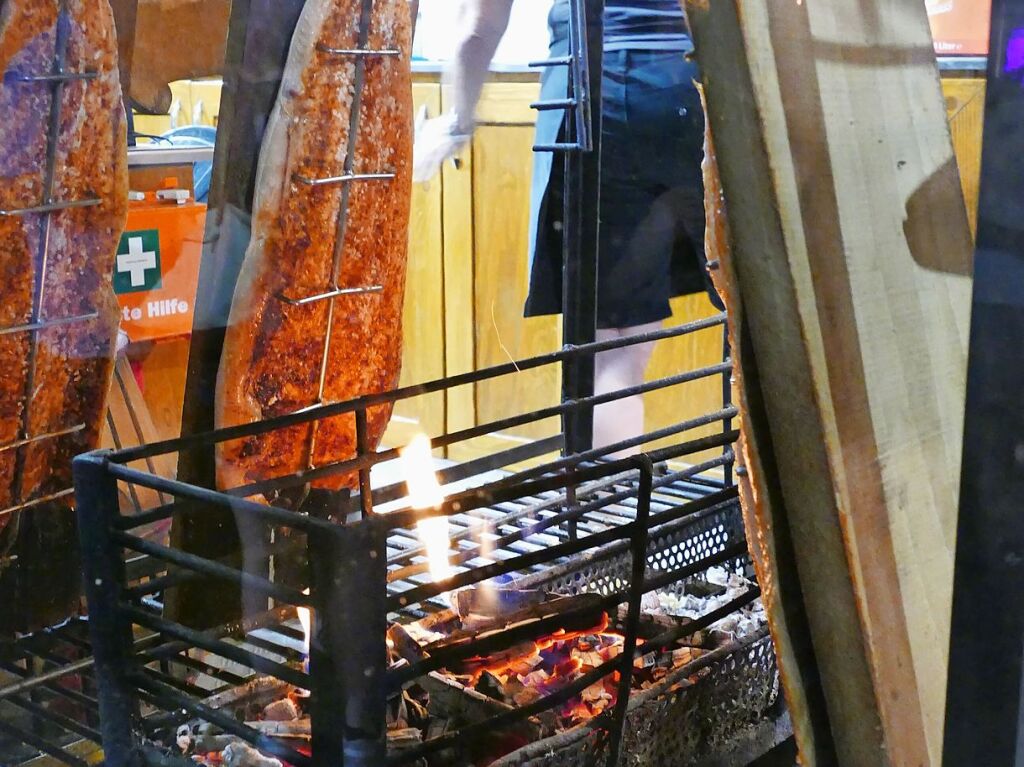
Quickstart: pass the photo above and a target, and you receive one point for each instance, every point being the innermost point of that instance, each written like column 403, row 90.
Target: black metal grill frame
column 349, row 564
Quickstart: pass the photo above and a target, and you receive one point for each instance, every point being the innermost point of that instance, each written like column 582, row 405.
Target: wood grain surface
column 852, row 252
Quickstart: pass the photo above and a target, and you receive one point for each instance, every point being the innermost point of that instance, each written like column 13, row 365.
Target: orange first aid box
column 157, row 268
column 960, row 27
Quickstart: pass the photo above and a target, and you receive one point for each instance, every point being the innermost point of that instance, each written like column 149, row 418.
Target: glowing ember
column 425, row 493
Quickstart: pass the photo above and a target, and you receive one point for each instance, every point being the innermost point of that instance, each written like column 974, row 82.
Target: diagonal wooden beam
column 852, row 252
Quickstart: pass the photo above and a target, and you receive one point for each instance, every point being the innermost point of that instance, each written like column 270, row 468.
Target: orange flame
column 425, row 493
column 306, row 619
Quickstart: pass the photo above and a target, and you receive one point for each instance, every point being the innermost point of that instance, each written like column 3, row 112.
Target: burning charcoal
column 536, row 678
column 491, row 602
column 241, row 754
column 404, row 644
column 406, row 737
column 682, row 656
column 437, row 728
column 300, row 728
column 416, row 712
column 283, row 710
column 183, row 738
column 523, row 666
column 211, row 739
column 718, row 576
column 590, row 658
column 595, row 693
column 527, row 696
column 490, row 685
column 397, row 712
column 720, row 638
column 704, row 589
column 645, row 661
column 612, row 651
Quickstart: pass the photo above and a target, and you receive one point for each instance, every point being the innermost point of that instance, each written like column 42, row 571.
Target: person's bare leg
column 618, row 369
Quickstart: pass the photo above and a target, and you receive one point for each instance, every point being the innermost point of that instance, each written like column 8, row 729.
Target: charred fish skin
column 54, row 266
column 274, row 348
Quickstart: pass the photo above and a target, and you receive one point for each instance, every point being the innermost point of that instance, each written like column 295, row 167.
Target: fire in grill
column 589, row 608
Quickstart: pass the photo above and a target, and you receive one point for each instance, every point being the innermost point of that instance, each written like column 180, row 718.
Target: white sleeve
column 482, row 24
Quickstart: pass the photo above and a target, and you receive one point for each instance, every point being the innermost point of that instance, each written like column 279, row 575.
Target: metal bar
column 363, row 448
column 50, row 207
column 110, row 634
column 337, row 408
column 54, row 717
column 216, row 646
column 485, row 572
column 176, row 488
column 567, row 406
column 558, row 146
column 570, row 514
column 638, row 550
column 329, row 294
column 727, row 394
column 42, row 744
column 361, row 52
column 984, row 722
column 498, row 492
column 343, row 179
column 33, row 326
column 507, row 519
column 668, row 431
column 211, row 568
column 348, row 571
column 582, row 174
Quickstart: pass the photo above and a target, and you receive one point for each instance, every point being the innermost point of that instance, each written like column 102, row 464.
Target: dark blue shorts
column 652, row 201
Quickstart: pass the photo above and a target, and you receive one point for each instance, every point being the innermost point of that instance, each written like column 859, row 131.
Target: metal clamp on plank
column 37, row 502
column 54, row 77
column 343, row 179
column 51, row 206
column 359, row 52
column 551, row 104
column 43, row 324
column 560, row 61
column 42, row 437
column 563, row 147
column 330, row 294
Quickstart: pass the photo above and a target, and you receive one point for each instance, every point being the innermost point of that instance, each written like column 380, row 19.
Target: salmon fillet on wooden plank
column 271, row 363
column 55, row 380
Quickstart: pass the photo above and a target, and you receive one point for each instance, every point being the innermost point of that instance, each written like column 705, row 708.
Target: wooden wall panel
column 965, row 108
column 423, row 316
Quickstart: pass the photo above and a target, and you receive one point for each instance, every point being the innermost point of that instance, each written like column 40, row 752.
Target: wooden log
column 852, row 254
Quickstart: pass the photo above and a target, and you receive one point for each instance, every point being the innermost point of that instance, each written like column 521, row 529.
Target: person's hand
column 437, row 140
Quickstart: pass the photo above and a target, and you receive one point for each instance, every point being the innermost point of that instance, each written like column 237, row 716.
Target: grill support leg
column 96, row 504
column 348, row 654
column 580, row 235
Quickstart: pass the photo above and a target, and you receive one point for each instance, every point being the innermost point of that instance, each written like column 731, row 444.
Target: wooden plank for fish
column 852, row 254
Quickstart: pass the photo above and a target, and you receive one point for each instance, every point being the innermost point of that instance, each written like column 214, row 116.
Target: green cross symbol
column 138, row 262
